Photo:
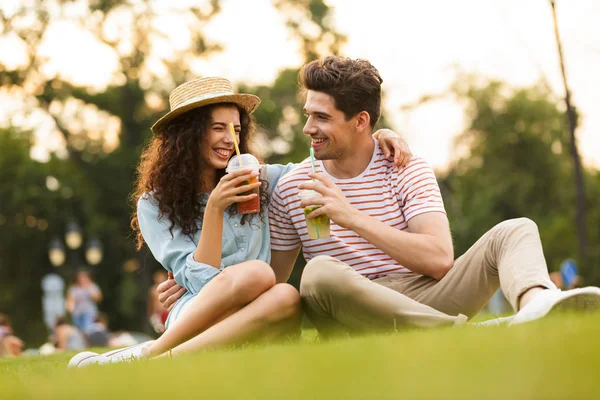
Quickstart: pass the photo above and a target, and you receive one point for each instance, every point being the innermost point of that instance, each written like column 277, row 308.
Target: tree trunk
column 572, row 121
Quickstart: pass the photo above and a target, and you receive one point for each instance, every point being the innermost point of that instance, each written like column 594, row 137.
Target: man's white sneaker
column 581, row 299
column 86, row 358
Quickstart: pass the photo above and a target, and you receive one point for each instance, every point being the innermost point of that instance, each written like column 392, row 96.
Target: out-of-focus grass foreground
column 553, row 358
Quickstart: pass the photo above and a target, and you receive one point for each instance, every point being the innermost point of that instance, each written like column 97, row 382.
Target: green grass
column 555, row 358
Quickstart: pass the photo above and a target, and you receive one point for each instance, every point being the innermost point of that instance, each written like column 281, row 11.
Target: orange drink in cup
column 246, row 161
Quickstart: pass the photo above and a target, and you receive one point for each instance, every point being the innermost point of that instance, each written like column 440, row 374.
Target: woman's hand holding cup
column 230, row 188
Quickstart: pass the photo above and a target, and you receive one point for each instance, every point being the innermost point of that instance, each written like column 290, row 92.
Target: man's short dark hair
column 355, row 85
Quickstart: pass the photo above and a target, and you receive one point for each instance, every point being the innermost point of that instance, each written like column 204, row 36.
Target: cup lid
column 309, row 194
column 241, row 162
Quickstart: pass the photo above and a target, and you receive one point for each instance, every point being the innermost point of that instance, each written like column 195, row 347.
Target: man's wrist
column 357, row 220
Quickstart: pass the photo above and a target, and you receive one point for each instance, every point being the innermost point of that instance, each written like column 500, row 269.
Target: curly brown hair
column 170, row 166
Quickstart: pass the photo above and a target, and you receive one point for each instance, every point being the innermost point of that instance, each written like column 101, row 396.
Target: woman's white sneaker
column 581, row 299
column 136, row 352
column 86, row 358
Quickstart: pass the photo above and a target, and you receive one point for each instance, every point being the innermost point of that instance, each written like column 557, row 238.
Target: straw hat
column 201, row 92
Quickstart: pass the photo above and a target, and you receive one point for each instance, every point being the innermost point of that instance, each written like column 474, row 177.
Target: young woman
column 186, row 213
column 82, row 299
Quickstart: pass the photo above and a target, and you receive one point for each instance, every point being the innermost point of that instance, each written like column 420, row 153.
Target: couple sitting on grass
column 387, row 264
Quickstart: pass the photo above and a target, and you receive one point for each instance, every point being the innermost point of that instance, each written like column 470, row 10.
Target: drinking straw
column 312, row 163
column 237, row 149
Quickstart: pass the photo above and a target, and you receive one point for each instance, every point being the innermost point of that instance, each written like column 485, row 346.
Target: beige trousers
column 337, row 299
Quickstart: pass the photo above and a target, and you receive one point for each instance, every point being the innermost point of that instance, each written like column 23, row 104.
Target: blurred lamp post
column 93, row 252
column 73, row 240
column 56, row 253
column 73, row 237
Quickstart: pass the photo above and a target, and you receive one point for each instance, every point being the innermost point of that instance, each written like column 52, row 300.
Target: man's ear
column 363, row 120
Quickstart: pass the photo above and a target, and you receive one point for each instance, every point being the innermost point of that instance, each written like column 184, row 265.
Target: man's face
column 331, row 134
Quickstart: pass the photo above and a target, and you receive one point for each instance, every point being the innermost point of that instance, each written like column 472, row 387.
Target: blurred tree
column 102, row 128
column 18, row 206
column 35, row 200
column 515, row 163
column 311, row 22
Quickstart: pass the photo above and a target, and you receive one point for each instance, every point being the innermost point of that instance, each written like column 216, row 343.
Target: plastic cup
column 318, row 227
column 246, row 161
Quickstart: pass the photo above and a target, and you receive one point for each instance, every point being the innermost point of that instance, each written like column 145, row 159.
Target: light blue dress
column 250, row 241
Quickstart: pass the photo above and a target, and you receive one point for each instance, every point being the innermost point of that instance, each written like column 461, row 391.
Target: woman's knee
column 287, row 296
column 259, row 273
column 249, row 279
column 287, row 302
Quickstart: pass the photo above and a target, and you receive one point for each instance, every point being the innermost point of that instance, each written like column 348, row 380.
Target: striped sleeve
column 418, row 190
column 284, row 235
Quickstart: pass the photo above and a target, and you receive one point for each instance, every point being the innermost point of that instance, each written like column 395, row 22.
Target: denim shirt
column 250, row 241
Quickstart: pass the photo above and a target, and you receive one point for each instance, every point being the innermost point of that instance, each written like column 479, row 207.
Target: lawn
column 555, row 358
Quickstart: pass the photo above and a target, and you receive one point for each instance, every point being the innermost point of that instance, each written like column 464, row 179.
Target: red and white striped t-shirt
column 382, row 191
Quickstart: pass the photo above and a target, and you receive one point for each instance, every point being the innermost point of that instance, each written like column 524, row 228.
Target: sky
column 418, row 47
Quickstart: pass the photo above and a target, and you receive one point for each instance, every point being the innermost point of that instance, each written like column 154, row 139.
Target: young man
column 389, row 261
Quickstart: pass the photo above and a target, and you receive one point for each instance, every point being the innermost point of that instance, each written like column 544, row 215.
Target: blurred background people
column 498, row 305
column 10, row 345
column 82, row 300
column 98, row 333
column 567, row 277
column 67, row 337
column 53, row 299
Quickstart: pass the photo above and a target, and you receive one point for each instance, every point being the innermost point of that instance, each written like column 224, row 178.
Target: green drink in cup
column 318, row 227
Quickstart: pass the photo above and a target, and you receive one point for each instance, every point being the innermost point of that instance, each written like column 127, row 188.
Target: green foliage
column 28, row 216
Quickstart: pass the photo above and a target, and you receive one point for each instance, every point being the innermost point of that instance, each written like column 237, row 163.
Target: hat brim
column 248, row 102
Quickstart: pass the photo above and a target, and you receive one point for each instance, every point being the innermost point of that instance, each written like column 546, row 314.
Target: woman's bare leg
column 231, row 290
column 275, row 312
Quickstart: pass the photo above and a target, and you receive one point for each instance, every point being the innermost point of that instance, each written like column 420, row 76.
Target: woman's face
column 217, row 144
